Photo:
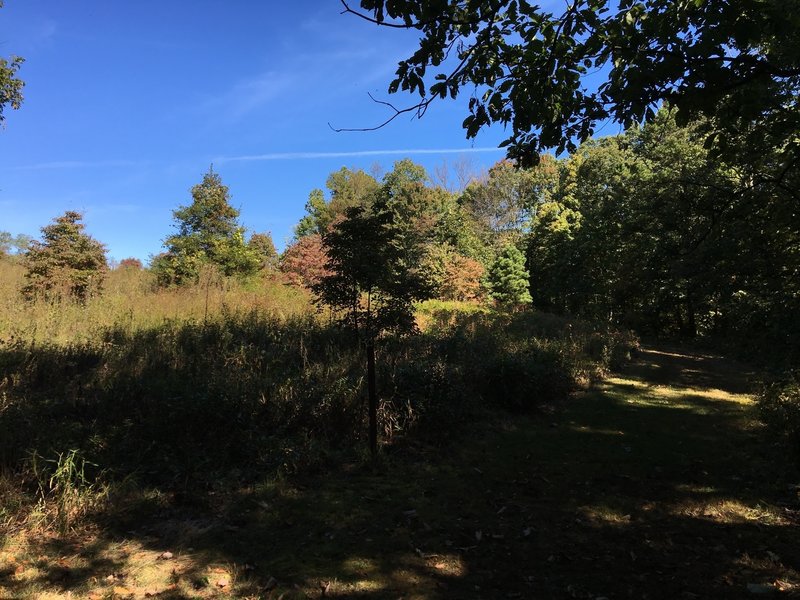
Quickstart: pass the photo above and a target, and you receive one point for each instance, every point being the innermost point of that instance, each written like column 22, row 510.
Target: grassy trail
column 656, row 483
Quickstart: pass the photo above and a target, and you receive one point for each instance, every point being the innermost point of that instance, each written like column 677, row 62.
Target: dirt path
column 656, row 483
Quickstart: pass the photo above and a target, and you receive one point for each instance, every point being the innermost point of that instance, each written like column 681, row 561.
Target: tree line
column 649, row 229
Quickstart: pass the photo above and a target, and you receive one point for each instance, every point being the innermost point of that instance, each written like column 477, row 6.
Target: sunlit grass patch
column 634, row 391
column 92, row 566
column 602, row 515
column 449, row 565
column 362, row 586
column 596, row 430
column 731, row 511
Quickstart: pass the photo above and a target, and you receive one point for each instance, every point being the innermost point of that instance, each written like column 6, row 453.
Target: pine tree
column 208, row 234
column 67, row 263
column 508, row 278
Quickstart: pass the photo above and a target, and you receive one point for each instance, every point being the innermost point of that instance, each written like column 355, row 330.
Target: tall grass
column 185, row 389
column 131, row 300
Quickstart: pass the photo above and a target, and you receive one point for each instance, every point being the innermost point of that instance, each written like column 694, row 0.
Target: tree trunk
column 372, row 397
column 691, row 315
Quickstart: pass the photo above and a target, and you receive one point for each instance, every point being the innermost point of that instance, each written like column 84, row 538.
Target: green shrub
column 779, row 405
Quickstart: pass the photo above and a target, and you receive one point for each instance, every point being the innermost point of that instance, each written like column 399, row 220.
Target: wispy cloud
column 250, row 94
column 296, row 79
column 351, row 154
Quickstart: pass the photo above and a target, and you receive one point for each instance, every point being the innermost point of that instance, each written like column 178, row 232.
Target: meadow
column 210, row 441
column 185, row 388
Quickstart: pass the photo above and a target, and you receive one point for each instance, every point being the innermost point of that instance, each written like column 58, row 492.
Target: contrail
column 80, row 164
column 351, row 154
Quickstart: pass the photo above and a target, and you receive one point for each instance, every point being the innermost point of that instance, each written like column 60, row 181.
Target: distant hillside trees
column 66, row 264
column 13, row 244
column 208, row 234
column 435, row 228
column 133, row 264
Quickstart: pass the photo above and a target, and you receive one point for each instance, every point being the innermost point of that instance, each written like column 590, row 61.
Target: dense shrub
column 186, row 402
column 779, row 404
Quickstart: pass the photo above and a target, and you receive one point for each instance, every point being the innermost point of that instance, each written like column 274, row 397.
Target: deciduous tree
column 304, row 261
column 372, row 283
column 552, row 77
column 264, row 247
column 10, row 84
column 133, row 264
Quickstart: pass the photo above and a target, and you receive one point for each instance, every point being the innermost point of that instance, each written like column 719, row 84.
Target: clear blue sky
column 127, row 104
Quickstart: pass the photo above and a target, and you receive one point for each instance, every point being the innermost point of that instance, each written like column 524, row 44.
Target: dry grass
column 132, row 301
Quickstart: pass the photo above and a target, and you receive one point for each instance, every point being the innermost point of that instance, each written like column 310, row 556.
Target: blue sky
column 127, row 104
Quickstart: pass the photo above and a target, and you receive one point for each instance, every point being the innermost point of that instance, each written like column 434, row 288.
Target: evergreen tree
column 208, row 234
column 508, row 278
column 67, row 263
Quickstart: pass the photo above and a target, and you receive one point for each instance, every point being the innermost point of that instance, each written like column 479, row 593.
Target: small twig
column 419, row 108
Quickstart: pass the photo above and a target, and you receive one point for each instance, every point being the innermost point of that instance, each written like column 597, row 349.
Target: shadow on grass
column 634, row 490
column 678, row 368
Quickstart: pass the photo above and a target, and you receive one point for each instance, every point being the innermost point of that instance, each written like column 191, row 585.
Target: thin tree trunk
column 372, row 393
column 372, row 397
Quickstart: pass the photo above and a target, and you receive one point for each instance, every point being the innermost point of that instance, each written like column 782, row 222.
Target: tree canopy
column 553, row 77
column 10, row 84
column 371, row 282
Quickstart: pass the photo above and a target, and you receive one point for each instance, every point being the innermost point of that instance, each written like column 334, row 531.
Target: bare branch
column 419, row 108
column 415, row 25
column 360, row 15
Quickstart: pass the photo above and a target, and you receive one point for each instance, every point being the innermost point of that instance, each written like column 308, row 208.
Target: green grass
column 657, row 482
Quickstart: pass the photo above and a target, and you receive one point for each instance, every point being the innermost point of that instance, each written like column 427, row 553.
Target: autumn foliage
column 462, row 279
column 303, row 262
